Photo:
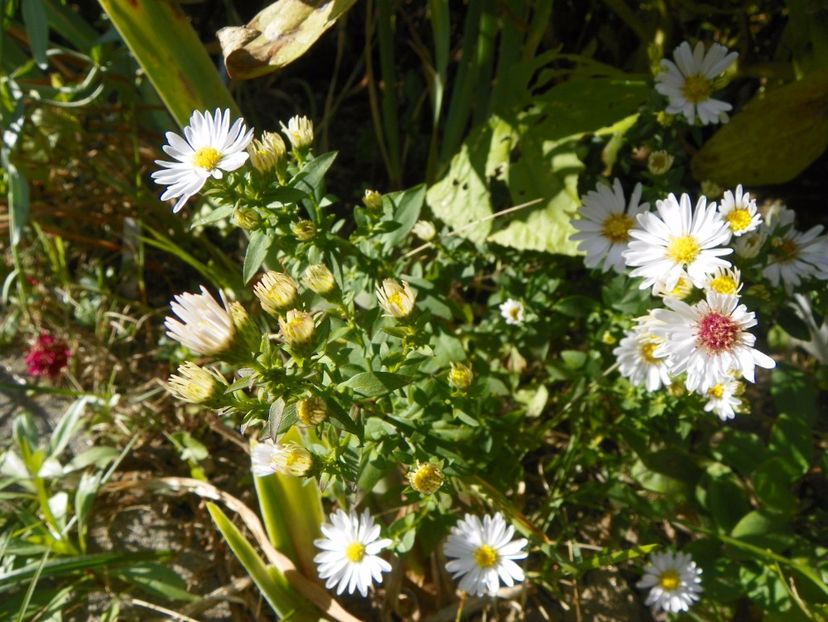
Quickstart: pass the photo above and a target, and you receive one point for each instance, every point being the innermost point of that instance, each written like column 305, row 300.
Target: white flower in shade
column 689, row 82
column 512, row 311
column 795, row 256
column 605, row 223
column 484, row 554
column 724, row 281
column 674, row 581
column 637, row 361
column 678, row 238
column 723, row 397
column 708, row 340
column 739, row 211
column 350, row 552
column 210, row 148
column 205, row 327
column 749, row 245
column 291, row 458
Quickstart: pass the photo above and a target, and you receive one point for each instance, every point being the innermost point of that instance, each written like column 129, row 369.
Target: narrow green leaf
column 156, row 580
column 37, row 29
column 256, row 253
column 376, row 383
column 219, row 213
column 67, row 426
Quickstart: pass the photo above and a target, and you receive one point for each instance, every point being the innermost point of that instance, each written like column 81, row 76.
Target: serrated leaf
column 279, row 34
column 772, row 139
column 376, row 383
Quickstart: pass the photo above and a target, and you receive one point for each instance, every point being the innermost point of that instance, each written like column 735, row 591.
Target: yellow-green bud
column 397, row 300
column 299, row 131
column 266, row 154
column 194, row 384
column 660, row 162
column 297, row 328
column 311, row 411
column 664, row 119
column 372, row 199
column 249, row 333
column 319, row 279
column 304, row 230
column 426, row 478
column 711, row 189
column 276, row 291
column 460, row 376
column 424, row 230
column 246, row 218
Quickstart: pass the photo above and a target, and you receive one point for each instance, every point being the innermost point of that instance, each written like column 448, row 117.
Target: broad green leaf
column 773, row 482
column 257, row 248
column 791, row 440
column 772, row 139
column 279, row 34
column 375, row 383
column 402, row 208
column 310, row 178
column 764, row 530
column 167, row 47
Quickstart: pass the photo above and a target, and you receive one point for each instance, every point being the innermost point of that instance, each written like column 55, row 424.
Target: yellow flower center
column 669, row 580
column 683, row 249
column 485, row 556
column 738, row 219
column 616, row 228
column 724, row 284
column 354, row 552
column 696, row 88
column 716, row 391
column 207, row 158
column 646, row 350
column 395, row 300
column 681, row 289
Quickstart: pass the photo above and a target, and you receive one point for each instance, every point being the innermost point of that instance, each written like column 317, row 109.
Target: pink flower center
column 717, row 332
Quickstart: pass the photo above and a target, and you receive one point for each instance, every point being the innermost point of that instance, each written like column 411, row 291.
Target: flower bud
column 424, row 230
column 426, row 478
column 304, row 230
column 276, row 291
column 290, row 458
column 660, row 162
column 749, row 245
column 319, row 279
column 194, row 384
column 460, row 376
column 299, row 131
column 311, row 411
column 248, row 332
column 372, row 199
column 266, row 154
column 397, row 300
column 246, row 218
column 297, row 328
column 711, row 189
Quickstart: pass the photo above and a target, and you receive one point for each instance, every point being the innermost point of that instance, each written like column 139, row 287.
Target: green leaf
column 794, row 392
column 791, row 440
column 764, row 530
column 310, row 178
column 576, row 306
column 772, row 139
column 374, row 384
column 727, row 501
column 256, row 253
column 168, row 49
column 67, row 426
column 773, row 483
column 156, row 580
column 279, row 34
column 402, row 208
column 37, row 29
column 219, row 213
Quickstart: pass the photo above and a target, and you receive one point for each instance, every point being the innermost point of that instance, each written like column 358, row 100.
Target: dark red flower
column 47, row 356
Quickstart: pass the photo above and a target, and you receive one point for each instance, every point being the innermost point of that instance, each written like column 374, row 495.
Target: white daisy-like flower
column 678, row 238
column 204, row 326
column 723, row 397
column 708, row 340
column 795, row 256
column 739, row 211
column 674, row 581
column 267, row 457
column 512, row 311
column 484, row 554
column 636, row 357
column 605, row 223
column 681, row 290
column 689, row 82
column 210, row 148
column 350, row 552
column 724, row 281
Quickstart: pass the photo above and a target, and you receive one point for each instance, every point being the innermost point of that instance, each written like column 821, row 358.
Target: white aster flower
column 637, row 361
column 205, row 327
column 708, row 340
column 689, row 82
column 674, row 581
column 678, row 238
column 484, row 554
column 267, row 457
column 724, row 281
column 795, row 256
column 350, row 552
column 605, row 223
column 211, row 148
column 512, row 311
column 739, row 211
column 723, row 397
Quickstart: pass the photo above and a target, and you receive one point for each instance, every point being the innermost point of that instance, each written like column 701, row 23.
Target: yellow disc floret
column 616, row 228
column 683, row 249
column 669, row 580
column 724, row 284
column 354, row 552
column 738, row 219
column 716, row 391
column 485, row 556
column 207, row 158
column 697, row 89
column 646, row 350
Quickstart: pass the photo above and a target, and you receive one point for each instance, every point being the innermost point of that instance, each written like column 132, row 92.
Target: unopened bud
column 299, row 131
column 297, row 328
column 311, row 411
column 711, row 189
column 304, row 230
column 194, row 384
column 460, row 376
column 424, row 230
column 426, row 478
column 659, row 162
column 372, row 199
column 266, row 154
column 246, row 218
column 276, row 291
column 319, row 279
column 246, row 330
